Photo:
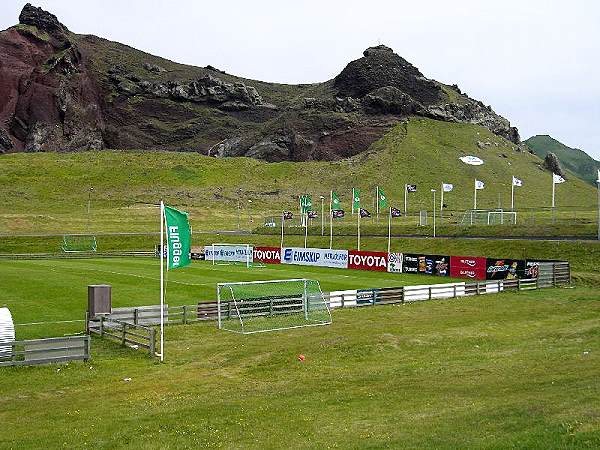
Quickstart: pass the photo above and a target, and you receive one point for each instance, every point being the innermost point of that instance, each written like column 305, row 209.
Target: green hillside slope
column 573, row 159
column 49, row 191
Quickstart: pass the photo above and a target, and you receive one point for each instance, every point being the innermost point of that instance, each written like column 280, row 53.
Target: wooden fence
column 45, row 351
column 126, row 333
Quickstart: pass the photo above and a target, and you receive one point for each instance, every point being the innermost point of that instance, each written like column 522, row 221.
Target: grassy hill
column 573, row 159
column 47, row 192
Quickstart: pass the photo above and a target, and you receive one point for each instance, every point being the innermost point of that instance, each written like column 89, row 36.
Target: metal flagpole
column 553, row 189
column 512, row 195
column 405, row 197
column 442, row 198
column 598, row 183
column 433, row 190
column 322, row 217
column 358, row 232
column 162, row 281
column 475, row 196
column 282, row 223
column 330, row 221
column 352, row 201
column 377, row 202
column 305, row 230
column 389, row 227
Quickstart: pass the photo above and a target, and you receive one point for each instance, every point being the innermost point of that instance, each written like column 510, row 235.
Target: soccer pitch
column 48, row 290
column 516, row 369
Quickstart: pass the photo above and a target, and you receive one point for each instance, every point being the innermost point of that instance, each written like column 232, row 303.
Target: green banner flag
column 305, row 204
column 335, row 201
column 355, row 199
column 178, row 238
column 383, row 203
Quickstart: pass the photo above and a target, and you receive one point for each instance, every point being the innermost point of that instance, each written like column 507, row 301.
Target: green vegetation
column 576, row 161
column 497, row 371
column 48, row 192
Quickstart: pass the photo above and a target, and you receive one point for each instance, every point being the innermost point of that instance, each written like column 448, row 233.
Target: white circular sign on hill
column 471, row 160
column 7, row 332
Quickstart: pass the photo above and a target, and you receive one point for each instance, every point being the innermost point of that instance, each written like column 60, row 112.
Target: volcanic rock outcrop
column 61, row 91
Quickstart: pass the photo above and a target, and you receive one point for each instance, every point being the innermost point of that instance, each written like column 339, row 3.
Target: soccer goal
column 79, row 243
column 227, row 254
column 502, row 218
column 259, row 306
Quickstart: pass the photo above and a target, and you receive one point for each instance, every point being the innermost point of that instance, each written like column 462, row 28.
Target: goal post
column 502, row 218
column 226, row 254
column 79, row 243
column 259, row 306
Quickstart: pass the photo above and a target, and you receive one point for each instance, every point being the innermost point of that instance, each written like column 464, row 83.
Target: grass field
column 56, row 290
column 515, row 370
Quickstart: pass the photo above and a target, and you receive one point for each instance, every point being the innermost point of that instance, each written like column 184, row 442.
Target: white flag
column 479, row 184
column 447, row 187
column 517, row 182
column 557, row 179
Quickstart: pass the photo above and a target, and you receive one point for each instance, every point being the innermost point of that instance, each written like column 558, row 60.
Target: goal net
column 502, row 218
column 78, row 243
column 226, row 254
column 258, row 306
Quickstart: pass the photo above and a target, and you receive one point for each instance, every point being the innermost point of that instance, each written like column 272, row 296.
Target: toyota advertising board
column 472, row 267
column 438, row 265
column 504, row 269
column 367, row 260
column 267, row 255
column 315, row 257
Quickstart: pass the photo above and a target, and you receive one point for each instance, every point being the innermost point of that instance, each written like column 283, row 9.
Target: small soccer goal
column 227, row 254
column 79, row 243
column 259, row 306
column 502, row 218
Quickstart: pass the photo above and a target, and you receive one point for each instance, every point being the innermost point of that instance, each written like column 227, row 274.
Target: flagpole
column 330, row 221
column 306, row 230
column 553, row 189
column 352, row 201
column 475, row 196
column 442, row 198
column 405, row 198
column 358, row 221
column 389, row 227
column 377, row 202
column 282, row 222
column 162, row 281
column 512, row 195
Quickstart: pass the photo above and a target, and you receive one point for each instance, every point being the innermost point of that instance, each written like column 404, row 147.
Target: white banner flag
column 517, row 182
column 447, row 187
column 557, row 179
column 479, row 184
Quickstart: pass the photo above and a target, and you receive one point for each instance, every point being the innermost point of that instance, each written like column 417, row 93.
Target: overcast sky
column 536, row 62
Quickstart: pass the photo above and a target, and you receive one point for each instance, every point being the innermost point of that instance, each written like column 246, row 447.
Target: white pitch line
column 128, row 275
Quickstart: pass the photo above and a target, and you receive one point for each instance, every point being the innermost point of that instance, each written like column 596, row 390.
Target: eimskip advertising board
column 472, row 267
column 315, row 257
column 367, row 260
column 267, row 255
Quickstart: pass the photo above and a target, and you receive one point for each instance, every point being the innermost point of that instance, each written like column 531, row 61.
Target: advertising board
column 315, row 257
column 367, row 260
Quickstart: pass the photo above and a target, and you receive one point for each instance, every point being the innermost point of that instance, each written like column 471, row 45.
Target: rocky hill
column 573, row 159
column 60, row 91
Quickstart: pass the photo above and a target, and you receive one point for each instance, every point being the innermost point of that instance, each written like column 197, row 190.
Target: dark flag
column 364, row 213
column 411, row 188
column 337, row 213
column 287, row 215
column 312, row 215
column 395, row 212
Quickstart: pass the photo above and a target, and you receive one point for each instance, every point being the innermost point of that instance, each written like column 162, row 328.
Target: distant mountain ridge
column 61, row 91
column 573, row 159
